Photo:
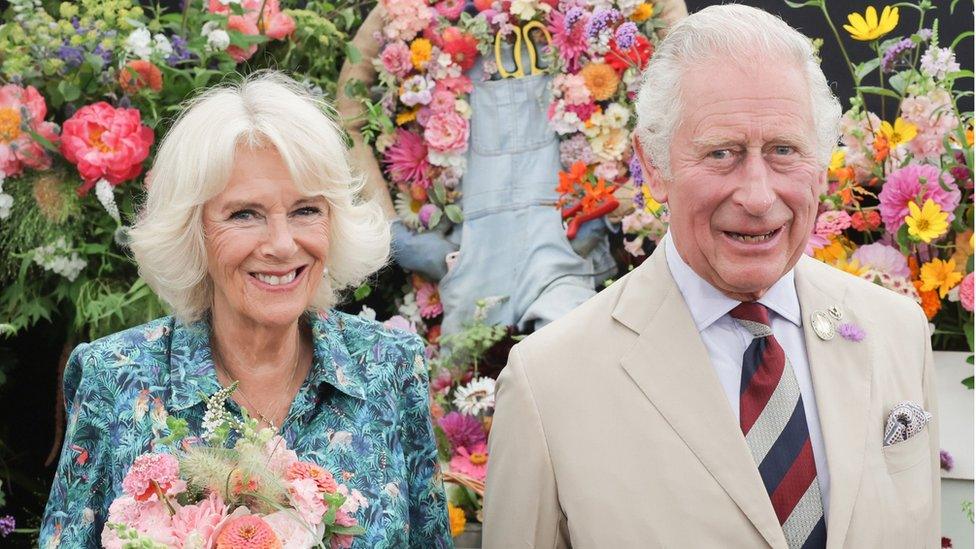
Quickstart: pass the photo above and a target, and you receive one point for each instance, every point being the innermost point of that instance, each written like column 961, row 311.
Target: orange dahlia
column 247, row 532
column 601, row 80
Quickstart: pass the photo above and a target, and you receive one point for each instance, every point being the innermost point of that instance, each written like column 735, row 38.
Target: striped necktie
column 772, row 419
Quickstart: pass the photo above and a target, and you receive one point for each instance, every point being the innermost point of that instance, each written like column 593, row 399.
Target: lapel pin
column 822, row 325
column 835, row 312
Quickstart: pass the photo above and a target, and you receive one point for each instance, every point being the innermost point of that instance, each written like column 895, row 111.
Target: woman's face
column 266, row 242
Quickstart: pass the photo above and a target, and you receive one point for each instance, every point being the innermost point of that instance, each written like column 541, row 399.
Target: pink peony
column 17, row 148
column 906, row 185
column 272, row 22
column 200, row 520
column 447, row 132
column 462, row 430
column 405, row 18
column 406, row 159
column 396, row 59
column 450, row 9
column 302, row 470
column 442, row 101
column 105, row 142
column 966, row 292
column 883, row 258
column 429, row 300
column 150, row 471
column 244, row 26
column 307, row 499
column 473, row 462
column 832, row 223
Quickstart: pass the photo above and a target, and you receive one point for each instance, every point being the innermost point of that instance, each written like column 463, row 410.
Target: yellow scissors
column 530, row 46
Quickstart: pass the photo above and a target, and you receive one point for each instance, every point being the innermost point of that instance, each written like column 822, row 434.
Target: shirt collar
column 193, row 378
column 707, row 304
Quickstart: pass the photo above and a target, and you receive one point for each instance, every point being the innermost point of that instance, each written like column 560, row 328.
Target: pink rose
column 447, row 132
column 244, row 26
column 396, row 59
column 105, row 142
column 201, row 519
column 17, row 148
column 280, row 458
column 307, row 499
column 442, row 101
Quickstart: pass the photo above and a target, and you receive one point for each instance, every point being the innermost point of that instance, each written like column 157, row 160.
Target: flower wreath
column 597, row 51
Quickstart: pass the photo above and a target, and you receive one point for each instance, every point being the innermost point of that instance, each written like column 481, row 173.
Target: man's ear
column 652, row 176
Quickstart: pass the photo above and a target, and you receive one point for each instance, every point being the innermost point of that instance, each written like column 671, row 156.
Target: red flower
column 244, row 26
column 138, row 74
column 462, row 46
column 866, row 220
column 105, row 142
column 22, row 109
column 637, row 56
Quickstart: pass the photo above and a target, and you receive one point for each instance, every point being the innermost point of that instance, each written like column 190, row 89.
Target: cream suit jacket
column 611, row 429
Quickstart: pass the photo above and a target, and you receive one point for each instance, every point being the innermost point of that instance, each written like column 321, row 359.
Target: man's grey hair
column 739, row 34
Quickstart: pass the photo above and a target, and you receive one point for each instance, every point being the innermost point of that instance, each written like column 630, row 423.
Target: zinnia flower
column 940, row 275
column 966, row 293
column 139, row 74
column 473, row 463
column 307, row 470
column 832, row 222
column 429, row 301
column 868, row 27
column 915, row 181
column 406, row 159
column 926, row 223
column 247, row 532
column 450, row 9
column 462, row 47
column 462, row 430
column 601, row 80
column 105, row 142
column 17, row 148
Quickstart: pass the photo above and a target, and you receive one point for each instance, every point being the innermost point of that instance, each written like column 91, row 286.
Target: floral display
column 256, row 493
column 595, row 51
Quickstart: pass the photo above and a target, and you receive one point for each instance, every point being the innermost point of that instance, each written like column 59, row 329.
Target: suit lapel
column 841, row 372
column 670, row 365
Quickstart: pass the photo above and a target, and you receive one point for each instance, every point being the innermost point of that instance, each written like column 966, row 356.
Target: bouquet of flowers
column 254, row 494
column 420, row 125
column 899, row 207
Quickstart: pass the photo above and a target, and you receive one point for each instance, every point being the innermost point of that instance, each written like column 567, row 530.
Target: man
column 707, row 399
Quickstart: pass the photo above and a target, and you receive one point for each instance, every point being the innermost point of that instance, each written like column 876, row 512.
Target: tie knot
column 754, row 317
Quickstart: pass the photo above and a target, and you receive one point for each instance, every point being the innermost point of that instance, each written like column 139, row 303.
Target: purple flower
column 180, row 50
column 916, row 182
column 7, row 525
column 573, row 16
column 925, row 34
column 850, row 332
column 897, row 52
column 462, row 430
column 635, row 168
column 105, row 54
column 72, row 56
column 946, row 461
column 425, row 213
column 602, row 19
column 626, row 35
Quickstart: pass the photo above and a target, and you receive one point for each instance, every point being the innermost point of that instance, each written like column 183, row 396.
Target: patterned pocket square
column 905, row 421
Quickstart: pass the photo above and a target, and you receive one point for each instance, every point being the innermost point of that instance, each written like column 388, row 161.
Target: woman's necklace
column 251, row 407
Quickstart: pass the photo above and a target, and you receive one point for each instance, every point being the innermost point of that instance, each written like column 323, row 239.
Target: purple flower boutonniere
column 851, row 332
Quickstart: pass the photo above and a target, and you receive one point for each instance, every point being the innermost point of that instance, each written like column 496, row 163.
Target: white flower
column 162, row 46
column 139, row 43
column 616, row 116
column 103, row 190
column 453, row 160
column 524, row 9
column 57, row 257
column 610, row 146
column 938, row 62
column 367, row 313
column 229, row 2
column 218, row 40
column 462, row 107
column 6, row 203
column 476, row 397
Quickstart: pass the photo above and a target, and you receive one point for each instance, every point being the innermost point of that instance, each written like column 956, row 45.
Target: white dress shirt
column 726, row 341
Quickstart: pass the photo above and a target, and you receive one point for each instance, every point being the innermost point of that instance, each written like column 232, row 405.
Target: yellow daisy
column 940, row 275
column 926, row 223
column 642, row 13
column 868, row 27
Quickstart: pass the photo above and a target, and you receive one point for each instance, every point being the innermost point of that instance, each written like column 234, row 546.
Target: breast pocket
column 509, row 115
column 909, row 467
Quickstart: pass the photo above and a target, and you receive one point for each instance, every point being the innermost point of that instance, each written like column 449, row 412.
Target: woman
column 251, row 225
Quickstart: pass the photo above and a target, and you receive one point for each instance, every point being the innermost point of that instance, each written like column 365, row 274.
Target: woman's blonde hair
column 193, row 164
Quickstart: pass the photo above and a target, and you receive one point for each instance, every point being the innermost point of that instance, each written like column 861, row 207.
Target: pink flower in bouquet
column 473, row 462
column 152, row 471
column 280, row 457
column 573, row 89
column 247, row 532
column 307, row 470
column 583, row 111
column 293, row 533
column 199, row 520
column 274, row 23
column 906, row 185
column 832, row 222
column 966, row 292
column 244, row 26
column 105, row 142
column 463, row 430
column 429, row 300
column 883, row 258
column 442, row 101
column 17, row 148
column 569, row 35
column 455, row 84
column 307, row 499
column 405, row 18
column 151, row 519
column 406, row 159
column 462, row 47
column 341, row 541
column 396, row 59
column 934, row 118
column 398, row 322
column 450, row 9
column 354, row 500
column 815, row 243
column 447, row 132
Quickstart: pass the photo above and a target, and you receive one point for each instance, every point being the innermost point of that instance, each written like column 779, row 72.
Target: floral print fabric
column 362, row 413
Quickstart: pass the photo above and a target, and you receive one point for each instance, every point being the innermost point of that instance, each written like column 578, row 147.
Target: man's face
column 745, row 181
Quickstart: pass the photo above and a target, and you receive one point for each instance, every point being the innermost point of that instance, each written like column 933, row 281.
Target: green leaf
column 903, row 239
column 968, row 382
column 959, row 74
column 875, row 90
column 968, row 328
column 435, row 218
column 808, row 3
column 899, row 81
column 352, row 53
column 960, row 38
column 454, row 213
column 440, row 193
column 69, row 90
column 866, row 68
column 362, row 292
